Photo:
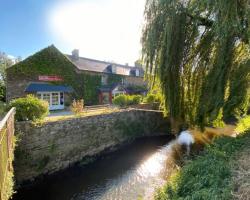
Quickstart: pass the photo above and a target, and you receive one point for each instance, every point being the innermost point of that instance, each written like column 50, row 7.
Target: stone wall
column 135, row 80
column 54, row 146
column 15, row 86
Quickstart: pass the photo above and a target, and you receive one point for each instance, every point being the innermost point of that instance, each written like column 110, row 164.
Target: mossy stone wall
column 56, row 145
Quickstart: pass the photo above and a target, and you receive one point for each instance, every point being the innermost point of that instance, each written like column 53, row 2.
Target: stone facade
column 16, row 85
column 56, row 145
column 133, row 80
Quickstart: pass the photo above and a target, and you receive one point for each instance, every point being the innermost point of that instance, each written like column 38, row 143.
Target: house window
column 137, row 72
column 39, row 95
column 55, row 99
column 104, row 80
column 113, row 67
column 46, row 97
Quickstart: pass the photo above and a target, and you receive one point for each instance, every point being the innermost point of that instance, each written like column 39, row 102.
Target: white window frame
column 53, row 107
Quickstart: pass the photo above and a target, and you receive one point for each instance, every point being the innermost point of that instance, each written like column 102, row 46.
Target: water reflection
column 140, row 181
column 132, row 172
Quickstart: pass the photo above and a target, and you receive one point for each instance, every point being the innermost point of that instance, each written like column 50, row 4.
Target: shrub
column 126, row 100
column 2, row 91
column 29, row 108
column 134, row 99
column 243, row 124
column 152, row 98
column 77, row 106
column 120, row 100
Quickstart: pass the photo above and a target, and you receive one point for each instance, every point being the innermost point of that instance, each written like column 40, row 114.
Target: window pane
column 46, row 97
column 39, row 95
column 55, row 99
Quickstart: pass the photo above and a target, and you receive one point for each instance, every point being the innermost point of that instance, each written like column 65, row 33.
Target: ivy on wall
column 114, row 78
column 90, row 86
column 50, row 61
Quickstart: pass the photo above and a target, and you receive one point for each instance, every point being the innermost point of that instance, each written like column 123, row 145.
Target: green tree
column 191, row 48
column 239, row 85
column 5, row 62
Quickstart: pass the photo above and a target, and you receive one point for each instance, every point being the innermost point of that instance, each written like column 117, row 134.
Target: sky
column 107, row 30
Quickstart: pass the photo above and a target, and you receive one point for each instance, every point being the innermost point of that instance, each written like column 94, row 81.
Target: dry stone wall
column 54, row 146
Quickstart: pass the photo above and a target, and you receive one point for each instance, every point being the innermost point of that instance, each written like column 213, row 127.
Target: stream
column 134, row 171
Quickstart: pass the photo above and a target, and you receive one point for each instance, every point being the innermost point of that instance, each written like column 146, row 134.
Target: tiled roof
column 88, row 64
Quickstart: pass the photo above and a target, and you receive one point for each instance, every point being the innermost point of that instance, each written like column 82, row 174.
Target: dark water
column 131, row 172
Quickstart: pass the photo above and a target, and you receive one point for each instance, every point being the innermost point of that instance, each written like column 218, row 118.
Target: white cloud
column 101, row 29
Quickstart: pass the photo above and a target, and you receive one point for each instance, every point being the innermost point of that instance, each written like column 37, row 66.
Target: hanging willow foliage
column 190, row 47
column 239, row 83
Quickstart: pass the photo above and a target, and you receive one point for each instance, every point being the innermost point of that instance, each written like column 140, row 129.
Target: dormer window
column 137, row 72
column 113, row 68
column 132, row 72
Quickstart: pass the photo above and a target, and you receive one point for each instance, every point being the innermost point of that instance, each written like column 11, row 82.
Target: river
column 132, row 172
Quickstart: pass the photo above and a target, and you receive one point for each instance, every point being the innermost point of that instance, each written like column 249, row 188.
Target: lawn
column 85, row 113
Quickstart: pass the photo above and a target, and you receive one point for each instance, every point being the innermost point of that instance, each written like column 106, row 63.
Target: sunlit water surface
column 134, row 171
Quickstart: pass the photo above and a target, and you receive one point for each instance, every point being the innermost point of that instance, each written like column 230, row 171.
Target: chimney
column 75, row 54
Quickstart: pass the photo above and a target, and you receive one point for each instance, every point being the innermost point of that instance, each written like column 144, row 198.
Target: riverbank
column 219, row 172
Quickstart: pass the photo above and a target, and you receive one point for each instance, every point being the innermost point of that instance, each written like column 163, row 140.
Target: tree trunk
column 175, row 126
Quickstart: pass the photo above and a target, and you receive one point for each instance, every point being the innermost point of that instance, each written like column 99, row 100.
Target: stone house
column 57, row 78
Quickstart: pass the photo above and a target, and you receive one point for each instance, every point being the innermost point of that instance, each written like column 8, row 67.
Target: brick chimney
column 75, row 54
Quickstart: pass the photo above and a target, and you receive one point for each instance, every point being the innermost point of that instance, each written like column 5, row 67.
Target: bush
column 152, row 98
column 29, row 108
column 243, row 124
column 2, row 91
column 77, row 106
column 120, row 100
column 134, row 99
column 126, row 100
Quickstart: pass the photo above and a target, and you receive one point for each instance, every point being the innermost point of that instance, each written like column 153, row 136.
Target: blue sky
column 102, row 29
column 24, row 26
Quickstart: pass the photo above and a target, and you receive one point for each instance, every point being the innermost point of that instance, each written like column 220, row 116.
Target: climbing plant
column 50, row 61
column 191, row 48
column 113, row 78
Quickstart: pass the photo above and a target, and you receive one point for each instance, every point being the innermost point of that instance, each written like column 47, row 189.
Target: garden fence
column 6, row 151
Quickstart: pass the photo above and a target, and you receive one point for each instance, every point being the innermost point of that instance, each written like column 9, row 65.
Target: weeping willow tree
column 239, row 86
column 192, row 48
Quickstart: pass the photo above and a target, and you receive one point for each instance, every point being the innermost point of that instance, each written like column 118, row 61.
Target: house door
column 105, row 96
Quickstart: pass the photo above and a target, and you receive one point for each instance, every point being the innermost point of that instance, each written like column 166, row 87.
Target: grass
column 83, row 114
column 210, row 174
